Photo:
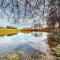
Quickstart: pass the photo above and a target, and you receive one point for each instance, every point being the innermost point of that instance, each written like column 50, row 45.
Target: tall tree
column 16, row 9
column 54, row 14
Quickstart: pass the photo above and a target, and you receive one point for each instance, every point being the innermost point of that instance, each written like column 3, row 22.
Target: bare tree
column 54, row 14
column 16, row 9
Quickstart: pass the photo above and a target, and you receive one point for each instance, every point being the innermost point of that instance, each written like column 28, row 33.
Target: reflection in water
column 22, row 41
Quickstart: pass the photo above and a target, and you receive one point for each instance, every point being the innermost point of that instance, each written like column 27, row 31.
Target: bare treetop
column 15, row 9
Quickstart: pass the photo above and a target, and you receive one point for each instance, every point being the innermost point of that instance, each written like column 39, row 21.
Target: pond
column 21, row 40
